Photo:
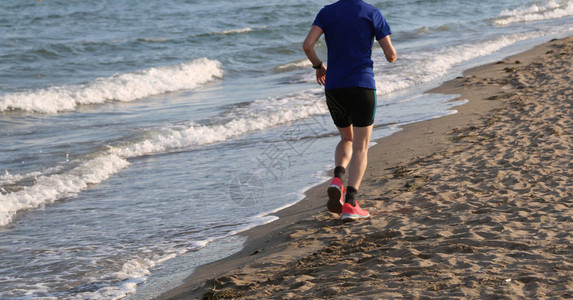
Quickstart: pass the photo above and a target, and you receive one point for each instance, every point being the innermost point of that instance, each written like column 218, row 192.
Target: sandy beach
column 475, row 205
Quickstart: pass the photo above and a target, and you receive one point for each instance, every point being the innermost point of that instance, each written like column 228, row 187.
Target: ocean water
column 138, row 138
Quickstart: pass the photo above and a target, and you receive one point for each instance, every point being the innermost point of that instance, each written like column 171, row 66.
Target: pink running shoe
column 335, row 196
column 351, row 213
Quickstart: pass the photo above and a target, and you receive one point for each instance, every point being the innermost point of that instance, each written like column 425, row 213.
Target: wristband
column 319, row 66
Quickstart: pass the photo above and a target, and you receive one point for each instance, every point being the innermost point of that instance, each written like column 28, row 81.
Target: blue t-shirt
column 349, row 28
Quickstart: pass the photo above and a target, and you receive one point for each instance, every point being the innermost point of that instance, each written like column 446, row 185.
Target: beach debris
column 257, row 251
column 401, row 171
column 330, row 291
column 224, row 294
column 416, row 183
column 461, row 133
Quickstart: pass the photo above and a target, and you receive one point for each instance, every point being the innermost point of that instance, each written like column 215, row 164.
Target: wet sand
column 475, row 205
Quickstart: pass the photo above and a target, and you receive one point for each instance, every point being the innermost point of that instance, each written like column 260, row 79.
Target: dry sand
column 476, row 205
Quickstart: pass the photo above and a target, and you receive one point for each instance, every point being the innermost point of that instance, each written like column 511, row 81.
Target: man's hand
column 321, row 75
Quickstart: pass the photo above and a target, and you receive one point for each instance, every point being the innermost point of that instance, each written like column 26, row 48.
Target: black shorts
column 352, row 106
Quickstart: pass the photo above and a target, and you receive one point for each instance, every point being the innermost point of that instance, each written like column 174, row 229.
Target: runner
column 349, row 28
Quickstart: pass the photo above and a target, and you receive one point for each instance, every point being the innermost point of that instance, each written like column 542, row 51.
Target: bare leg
column 359, row 160
column 343, row 152
column 342, row 156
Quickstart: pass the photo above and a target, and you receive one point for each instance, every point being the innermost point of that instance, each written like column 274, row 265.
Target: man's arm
column 388, row 48
column 308, row 47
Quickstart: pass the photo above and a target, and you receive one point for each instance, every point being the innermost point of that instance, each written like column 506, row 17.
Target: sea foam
column 537, row 12
column 256, row 116
column 137, row 269
column 48, row 189
column 123, row 87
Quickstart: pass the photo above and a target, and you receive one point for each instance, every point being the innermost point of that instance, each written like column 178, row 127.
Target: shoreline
column 305, row 232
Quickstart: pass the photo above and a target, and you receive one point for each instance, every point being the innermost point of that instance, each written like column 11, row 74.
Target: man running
column 349, row 28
